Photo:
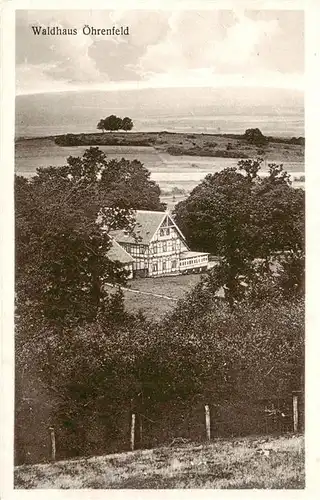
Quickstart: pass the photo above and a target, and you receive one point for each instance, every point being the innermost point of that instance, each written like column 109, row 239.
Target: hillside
column 268, row 463
column 277, row 112
column 181, row 144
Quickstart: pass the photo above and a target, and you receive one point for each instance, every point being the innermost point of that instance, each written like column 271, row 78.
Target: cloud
column 242, row 43
column 189, row 47
column 185, row 42
column 207, row 41
column 146, row 27
column 30, row 78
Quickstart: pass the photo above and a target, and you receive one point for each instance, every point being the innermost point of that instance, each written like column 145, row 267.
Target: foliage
column 297, row 140
column 115, row 365
column 90, row 357
column 61, row 243
column 241, row 216
column 113, row 122
column 100, row 125
column 255, row 136
column 127, row 124
column 236, row 348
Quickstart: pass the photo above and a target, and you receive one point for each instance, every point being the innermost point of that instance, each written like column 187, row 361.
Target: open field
column 252, row 462
column 153, row 306
column 179, row 144
column 170, row 172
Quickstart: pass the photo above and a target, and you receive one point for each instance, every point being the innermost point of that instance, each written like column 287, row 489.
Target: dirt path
column 133, row 290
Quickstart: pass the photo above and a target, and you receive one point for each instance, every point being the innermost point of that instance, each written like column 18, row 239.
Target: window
column 155, row 268
column 164, row 265
column 164, row 246
column 164, row 231
column 174, row 264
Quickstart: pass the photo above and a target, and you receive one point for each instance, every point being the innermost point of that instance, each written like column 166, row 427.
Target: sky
column 216, row 48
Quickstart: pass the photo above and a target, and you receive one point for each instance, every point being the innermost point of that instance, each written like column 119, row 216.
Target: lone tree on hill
column 114, row 122
column 127, row 124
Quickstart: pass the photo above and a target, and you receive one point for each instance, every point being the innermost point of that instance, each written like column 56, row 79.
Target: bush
column 255, row 136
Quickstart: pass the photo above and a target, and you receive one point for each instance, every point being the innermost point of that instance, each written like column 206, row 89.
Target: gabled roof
column 147, row 222
column 117, row 253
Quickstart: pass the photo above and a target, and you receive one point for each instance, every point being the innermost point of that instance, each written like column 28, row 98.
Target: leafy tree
column 101, row 369
column 112, row 123
column 255, row 349
column 129, row 186
column 255, row 136
column 63, row 216
column 242, row 216
column 100, row 125
column 127, row 124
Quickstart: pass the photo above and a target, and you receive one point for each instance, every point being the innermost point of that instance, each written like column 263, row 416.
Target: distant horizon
column 223, row 89
column 87, row 90
column 277, row 112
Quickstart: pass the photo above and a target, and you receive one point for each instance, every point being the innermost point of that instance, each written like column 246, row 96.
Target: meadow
column 184, row 169
column 270, row 462
column 155, row 297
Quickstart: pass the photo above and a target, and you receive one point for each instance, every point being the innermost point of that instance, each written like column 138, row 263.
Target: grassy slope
column 195, row 145
column 156, row 307
column 271, row 462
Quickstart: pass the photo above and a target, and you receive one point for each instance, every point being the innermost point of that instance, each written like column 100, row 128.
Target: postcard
column 155, row 245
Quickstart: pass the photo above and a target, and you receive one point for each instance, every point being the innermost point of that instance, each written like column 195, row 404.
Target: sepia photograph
column 159, row 211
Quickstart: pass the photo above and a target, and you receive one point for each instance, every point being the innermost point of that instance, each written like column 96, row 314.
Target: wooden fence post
column 133, row 424
column 295, row 412
column 53, row 443
column 141, row 431
column 207, row 416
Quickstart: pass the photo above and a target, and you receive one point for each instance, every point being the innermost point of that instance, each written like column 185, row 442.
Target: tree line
column 256, row 137
column 81, row 357
column 114, row 122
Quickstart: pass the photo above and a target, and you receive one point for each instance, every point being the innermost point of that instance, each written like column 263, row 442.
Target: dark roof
column 117, row 253
column 147, row 222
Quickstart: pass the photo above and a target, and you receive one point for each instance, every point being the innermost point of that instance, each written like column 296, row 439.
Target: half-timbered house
column 117, row 253
column 158, row 247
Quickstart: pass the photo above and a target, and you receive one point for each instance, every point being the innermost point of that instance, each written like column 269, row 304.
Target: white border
column 312, row 9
